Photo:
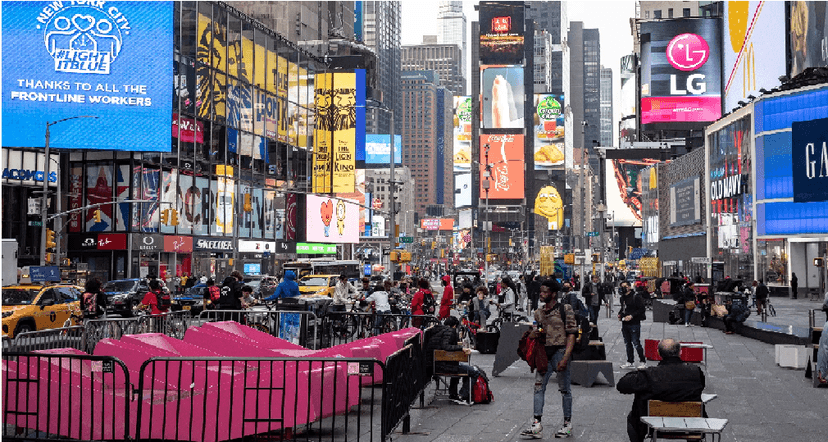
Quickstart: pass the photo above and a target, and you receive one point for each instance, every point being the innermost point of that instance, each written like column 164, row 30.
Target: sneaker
column 534, row 431
column 687, row 324
column 642, row 364
column 627, row 365
column 565, row 430
column 459, row 401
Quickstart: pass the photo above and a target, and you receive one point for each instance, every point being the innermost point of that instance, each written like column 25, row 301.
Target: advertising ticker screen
column 808, row 35
column 107, row 60
column 502, row 92
column 549, row 149
column 501, row 33
column 462, row 150
column 378, row 149
column 681, row 71
column 504, row 152
column 752, row 59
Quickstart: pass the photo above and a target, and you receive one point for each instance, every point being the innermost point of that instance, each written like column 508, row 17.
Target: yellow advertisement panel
column 261, row 67
column 293, row 100
column 322, row 135
column 246, row 66
column 302, row 116
column 344, row 132
column 282, row 94
column 272, row 67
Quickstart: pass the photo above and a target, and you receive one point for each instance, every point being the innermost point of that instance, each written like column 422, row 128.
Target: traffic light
column 248, row 205
column 97, row 215
column 596, row 257
column 174, row 217
column 165, row 214
column 394, row 256
column 50, row 239
column 405, row 256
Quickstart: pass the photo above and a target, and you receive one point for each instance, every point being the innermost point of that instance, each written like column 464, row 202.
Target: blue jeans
column 378, row 319
column 632, row 337
column 688, row 313
column 593, row 313
column 563, row 386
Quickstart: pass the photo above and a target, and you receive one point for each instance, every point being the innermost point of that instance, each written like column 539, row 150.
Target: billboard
column 462, row 150
column 502, row 91
column 332, row 220
column 808, row 36
column 549, row 204
column 624, row 187
column 549, row 131
column 437, row 223
column 501, row 33
column 462, row 189
column 680, row 71
column 68, row 59
column 809, row 146
column 752, row 59
column 505, row 153
column 685, row 202
column 378, row 149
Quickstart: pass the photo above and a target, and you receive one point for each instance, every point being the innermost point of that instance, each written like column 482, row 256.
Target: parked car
column 124, row 294
column 192, row 299
column 31, row 307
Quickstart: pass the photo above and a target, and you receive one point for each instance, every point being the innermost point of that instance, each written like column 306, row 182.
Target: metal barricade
column 50, row 339
column 65, row 397
column 345, row 327
column 299, row 327
column 172, row 324
column 212, row 399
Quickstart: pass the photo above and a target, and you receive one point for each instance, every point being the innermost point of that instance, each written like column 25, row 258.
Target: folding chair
column 677, row 409
column 442, row 378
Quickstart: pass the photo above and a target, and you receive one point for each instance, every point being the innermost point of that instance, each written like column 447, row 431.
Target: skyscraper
column 550, row 16
column 419, row 134
column 451, row 29
column 383, row 34
column 441, row 58
column 606, row 107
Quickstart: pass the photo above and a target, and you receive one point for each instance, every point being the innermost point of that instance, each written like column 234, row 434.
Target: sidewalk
column 762, row 401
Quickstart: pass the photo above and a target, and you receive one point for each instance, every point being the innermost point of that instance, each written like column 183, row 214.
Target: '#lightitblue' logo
column 83, row 37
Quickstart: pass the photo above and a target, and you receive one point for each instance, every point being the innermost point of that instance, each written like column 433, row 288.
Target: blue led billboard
column 809, row 155
column 378, row 149
column 110, row 60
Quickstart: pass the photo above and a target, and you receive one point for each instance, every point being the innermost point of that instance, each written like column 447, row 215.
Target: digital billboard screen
column 808, row 35
column 501, row 32
column 69, row 59
column 752, row 59
column 504, row 152
column 549, row 203
column 809, row 145
column 462, row 189
column 378, row 149
column 680, row 71
column 332, row 220
column 549, row 131
column 625, row 187
column 462, row 150
column 502, row 91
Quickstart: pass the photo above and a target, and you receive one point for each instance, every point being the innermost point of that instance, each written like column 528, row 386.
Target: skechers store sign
column 726, row 187
column 810, row 160
column 109, row 62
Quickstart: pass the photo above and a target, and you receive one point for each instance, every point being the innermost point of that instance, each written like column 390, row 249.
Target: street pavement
column 762, row 401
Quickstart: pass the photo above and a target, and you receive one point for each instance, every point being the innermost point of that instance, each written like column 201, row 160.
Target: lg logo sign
column 688, row 52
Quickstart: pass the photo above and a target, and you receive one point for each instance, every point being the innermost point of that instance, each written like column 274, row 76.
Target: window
column 657, row 13
column 670, row 13
column 685, row 12
column 646, row 14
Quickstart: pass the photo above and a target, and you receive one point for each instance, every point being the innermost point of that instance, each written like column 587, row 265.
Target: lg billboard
column 681, row 71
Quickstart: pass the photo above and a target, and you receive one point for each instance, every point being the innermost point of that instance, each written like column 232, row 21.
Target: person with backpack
column 212, row 295
column 423, row 302
column 93, row 300
column 632, row 312
column 156, row 299
column 446, row 338
column 231, row 293
column 557, row 321
column 688, row 298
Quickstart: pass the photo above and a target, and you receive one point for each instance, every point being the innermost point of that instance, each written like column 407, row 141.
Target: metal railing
column 65, row 397
column 172, row 324
column 299, row 327
column 345, row 327
column 50, row 339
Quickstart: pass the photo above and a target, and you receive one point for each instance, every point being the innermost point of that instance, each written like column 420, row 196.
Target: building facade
column 419, row 135
column 440, row 58
column 451, row 29
column 606, row 107
column 383, row 34
column 544, row 50
column 551, row 16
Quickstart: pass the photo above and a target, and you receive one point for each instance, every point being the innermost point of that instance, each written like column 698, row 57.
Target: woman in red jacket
column 422, row 302
column 448, row 298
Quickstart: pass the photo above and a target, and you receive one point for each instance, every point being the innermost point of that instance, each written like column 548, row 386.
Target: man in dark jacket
column 671, row 381
column 593, row 294
column 445, row 337
column 631, row 314
column 533, row 291
column 762, row 293
column 737, row 312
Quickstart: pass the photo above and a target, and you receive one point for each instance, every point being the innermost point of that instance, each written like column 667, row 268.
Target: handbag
column 690, row 305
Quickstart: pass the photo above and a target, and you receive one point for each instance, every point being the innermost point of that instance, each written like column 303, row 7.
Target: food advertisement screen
column 504, row 152
column 502, row 91
column 501, row 33
column 549, row 131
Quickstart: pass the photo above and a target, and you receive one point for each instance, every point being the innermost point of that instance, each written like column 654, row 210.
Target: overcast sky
column 419, row 18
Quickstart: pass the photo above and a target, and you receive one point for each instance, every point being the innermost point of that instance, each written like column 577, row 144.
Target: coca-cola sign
column 187, row 129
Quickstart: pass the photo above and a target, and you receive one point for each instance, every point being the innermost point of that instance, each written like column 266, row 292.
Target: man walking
column 557, row 320
column 593, row 295
column 761, row 292
column 631, row 314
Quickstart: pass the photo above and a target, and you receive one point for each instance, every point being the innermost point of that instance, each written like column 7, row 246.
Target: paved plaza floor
column 762, row 401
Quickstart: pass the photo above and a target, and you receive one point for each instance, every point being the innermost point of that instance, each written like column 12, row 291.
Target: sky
column 419, row 18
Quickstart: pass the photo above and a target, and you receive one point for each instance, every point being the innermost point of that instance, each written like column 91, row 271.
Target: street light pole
column 486, row 185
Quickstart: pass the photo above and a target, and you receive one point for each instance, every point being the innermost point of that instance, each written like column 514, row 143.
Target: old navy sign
column 809, row 159
column 726, row 187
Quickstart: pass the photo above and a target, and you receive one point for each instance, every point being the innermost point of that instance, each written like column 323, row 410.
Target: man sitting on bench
column 672, row 380
column 445, row 337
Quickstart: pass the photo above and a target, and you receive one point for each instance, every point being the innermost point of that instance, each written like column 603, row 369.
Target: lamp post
column 43, row 201
column 486, row 184
column 601, row 210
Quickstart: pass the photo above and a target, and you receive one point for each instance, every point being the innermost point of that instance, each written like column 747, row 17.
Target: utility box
column 9, row 261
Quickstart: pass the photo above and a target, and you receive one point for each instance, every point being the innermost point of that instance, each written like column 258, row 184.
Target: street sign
column 406, row 239
column 45, row 273
column 592, row 234
column 35, row 224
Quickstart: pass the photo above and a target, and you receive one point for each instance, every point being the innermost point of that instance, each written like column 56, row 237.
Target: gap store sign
column 109, row 60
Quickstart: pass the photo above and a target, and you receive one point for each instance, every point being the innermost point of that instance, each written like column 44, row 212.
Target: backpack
column 428, row 303
column 215, row 293
column 90, row 303
column 481, row 393
column 584, row 330
column 163, row 300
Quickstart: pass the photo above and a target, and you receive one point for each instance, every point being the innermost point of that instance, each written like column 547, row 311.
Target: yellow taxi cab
column 317, row 285
column 31, row 307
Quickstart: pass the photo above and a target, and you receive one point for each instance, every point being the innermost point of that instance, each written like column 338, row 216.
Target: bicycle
column 502, row 317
